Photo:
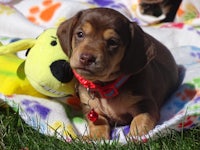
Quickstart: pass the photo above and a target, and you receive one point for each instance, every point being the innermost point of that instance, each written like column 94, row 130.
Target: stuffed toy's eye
column 53, row 43
column 26, row 54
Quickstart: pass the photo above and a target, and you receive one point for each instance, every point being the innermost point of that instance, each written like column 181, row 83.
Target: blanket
column 50, row 116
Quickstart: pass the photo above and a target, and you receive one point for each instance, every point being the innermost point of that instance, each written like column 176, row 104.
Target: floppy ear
column 139, row 52
column 17, row 46
column 65, row 33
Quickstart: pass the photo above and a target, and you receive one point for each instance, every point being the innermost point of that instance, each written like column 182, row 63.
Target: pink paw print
column 173, row 25
column 188, row 122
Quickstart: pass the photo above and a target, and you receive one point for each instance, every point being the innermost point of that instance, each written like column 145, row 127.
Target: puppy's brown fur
column 102, row 44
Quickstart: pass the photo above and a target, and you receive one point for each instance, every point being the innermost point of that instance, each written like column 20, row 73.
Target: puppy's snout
column 87, row 59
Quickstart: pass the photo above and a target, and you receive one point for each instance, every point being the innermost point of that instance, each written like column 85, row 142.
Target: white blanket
column 29, row 18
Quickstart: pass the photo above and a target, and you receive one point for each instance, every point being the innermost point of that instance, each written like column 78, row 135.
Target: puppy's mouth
column 97, row 77
column 95, row 72
column 84, row 71
column 93, row 69
column 89, row 74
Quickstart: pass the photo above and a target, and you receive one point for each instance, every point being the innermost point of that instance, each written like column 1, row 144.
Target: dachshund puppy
column 125, row 75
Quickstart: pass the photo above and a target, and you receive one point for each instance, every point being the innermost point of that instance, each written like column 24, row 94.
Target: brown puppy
column 125, row 74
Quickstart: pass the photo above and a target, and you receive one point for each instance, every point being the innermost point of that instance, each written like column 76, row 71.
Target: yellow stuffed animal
column 45, row 71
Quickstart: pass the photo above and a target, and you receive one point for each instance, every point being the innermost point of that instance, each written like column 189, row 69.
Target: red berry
column 92, row 115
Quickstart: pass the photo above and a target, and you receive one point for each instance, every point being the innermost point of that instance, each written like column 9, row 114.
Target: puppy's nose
column 87, row 59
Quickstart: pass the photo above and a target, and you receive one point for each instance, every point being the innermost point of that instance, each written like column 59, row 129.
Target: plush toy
column 12, row 77
column 45, row 71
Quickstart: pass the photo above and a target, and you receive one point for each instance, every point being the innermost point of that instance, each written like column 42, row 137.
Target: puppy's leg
column 99, row 129
column 145, row 117
column 142, row 124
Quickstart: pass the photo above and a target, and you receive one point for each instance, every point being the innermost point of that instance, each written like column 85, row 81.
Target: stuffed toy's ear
column 17, row 46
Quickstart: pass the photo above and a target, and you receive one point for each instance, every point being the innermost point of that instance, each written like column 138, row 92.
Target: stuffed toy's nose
column 62, row 71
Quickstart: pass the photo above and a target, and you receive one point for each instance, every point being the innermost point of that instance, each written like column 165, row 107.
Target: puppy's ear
column 65, row 33
column 139, row 52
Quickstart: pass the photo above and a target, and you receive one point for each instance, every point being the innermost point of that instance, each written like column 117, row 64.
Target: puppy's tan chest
column 115, row 109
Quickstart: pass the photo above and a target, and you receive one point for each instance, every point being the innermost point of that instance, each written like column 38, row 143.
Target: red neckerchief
column 108, row 91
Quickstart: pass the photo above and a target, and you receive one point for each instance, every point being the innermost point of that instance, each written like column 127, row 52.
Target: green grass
column 16, row 135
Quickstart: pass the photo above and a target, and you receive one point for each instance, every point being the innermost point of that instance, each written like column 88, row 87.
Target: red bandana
column 108, row 91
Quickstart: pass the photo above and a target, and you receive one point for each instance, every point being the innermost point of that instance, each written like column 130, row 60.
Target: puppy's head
column 102, row 44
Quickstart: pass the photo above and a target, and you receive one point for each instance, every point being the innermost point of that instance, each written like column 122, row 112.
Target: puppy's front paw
column 99, row 129
column 100, row 132
column 142, row 124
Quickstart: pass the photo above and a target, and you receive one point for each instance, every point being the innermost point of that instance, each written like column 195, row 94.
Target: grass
column 16, row 135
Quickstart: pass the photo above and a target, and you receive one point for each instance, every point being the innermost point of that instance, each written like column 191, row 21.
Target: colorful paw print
column 195, row 53
column 44, row 12
column 34, row 107
column 173, row 25
column 115, row 133
column 102, row 2
column 188, row 122
column 186, row 94
column 107, row 3
column 67, row 130
column 4, row 9
column 189, row 13
column 197, row 82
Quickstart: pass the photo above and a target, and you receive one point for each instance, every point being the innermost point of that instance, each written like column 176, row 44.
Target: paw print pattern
column 34, row 107
column 195, row 53
column 187, row 94
column 197, row 82
column 4, row 9
column 67, row 130
column 44, row 12
column 188, row 122
column 116, row 132
column 102, row 2
column 173, row 25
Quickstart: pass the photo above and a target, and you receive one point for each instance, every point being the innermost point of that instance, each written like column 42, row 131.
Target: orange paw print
column 187, row 94
column 45, row 12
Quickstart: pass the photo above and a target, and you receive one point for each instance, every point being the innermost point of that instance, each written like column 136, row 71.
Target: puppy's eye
column 80, row 35
column 113, row 43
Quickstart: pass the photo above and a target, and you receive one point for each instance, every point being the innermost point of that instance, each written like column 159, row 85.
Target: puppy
column 125, row 74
